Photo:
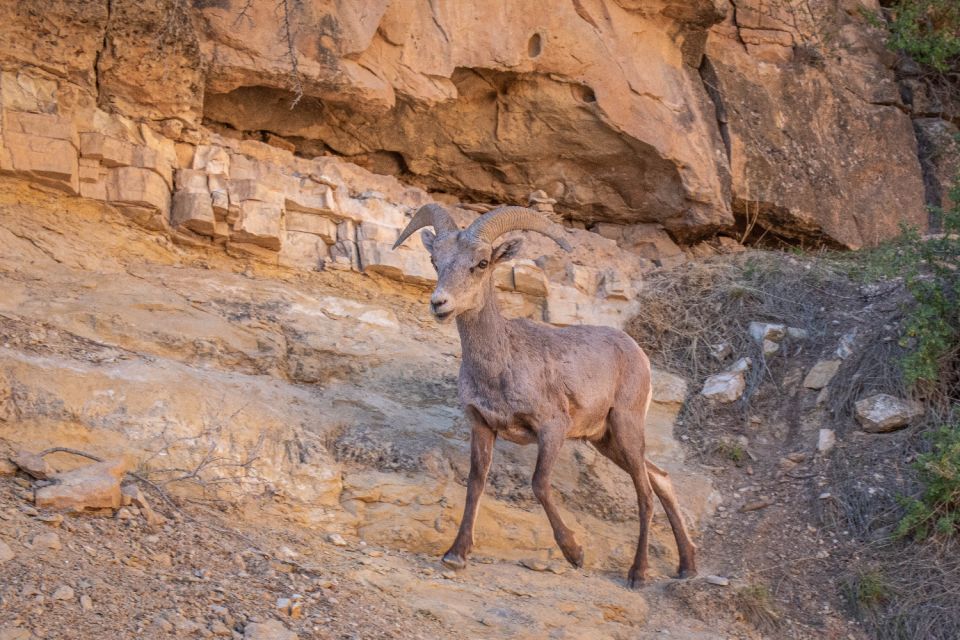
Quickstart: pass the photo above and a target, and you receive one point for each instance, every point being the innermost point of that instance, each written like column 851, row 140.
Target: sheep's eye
column 482, row 264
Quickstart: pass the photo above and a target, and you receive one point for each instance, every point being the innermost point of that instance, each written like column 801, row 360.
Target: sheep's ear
column 507, row 250
column 428, row 237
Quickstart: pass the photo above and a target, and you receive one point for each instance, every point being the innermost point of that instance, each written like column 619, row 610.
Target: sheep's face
column 464, row 268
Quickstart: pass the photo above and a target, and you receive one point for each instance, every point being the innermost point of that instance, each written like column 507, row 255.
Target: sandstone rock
column 528, row 278
column 42, row 146
column 321, row 226
column 6, row 553
column 7, row 467
column 668, row 388
column 94, row 486
column 258, row 223
column 821, row 374
column 757, row 75
column 304, row 251
column 826, row 441
column 63, row 592
column 133, row 493
column 86, row 602
column 48, row 541
column 269, row 630
column 882, row 413
column 336, row 539
column 32, row 464
column 193, row 211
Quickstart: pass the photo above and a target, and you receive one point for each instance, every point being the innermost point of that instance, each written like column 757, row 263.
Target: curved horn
column 501, row 220
column 429, row 215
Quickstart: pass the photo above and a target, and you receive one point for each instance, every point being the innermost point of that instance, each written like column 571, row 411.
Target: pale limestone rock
column 312, row 223
column 303, row 251
column 48, row 541
column 761, row 331
column 258, row 223
column 212, row 160
column 726, row 386
column 94, row 486
column 20, row 91
column 138, row 187
column 882, row 413
column 63, row 592
column 826, row 441
column 528, row 278
column 193, row 211
column 110, row 152
column 821, row 374
column 403, row 264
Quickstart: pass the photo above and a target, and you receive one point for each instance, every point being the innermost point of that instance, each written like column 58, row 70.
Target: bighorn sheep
column 528, row 382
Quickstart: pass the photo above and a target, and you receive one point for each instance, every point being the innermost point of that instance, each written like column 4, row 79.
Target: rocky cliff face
column 703, row 117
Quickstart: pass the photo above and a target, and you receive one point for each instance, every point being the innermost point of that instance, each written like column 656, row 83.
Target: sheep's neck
column 483, row 337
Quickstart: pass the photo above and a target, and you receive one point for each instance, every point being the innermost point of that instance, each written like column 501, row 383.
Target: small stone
column 86, row 602
column 6, row 553
column 826, row 495
column 534, row 564
column 826, row 441
column 124, row 513
column 32, row 465
column 218, row 628
column 882, row 413
column 797, row 456
column 755, row 505
column 63, row 592
column 134, row 495
column 720, row 581
column 770, row 347
column 821, row 374
column 269, row 630
column 46, row 542
column 448, row 574
column 765, row 331
column 336, row 539
column 721, row 351
column 724, row 387
column 7, row 467
column 52, row 519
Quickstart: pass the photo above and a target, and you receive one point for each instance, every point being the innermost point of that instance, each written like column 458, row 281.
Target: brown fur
column 528, row 382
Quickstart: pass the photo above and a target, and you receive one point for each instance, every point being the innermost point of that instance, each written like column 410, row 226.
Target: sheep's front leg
column 481, row 454
column 550, row 442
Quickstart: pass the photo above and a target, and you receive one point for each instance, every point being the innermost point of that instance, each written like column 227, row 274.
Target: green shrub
column 937, row 511
column 926, row 30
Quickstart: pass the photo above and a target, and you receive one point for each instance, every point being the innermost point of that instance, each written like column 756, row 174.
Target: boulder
column 882, row 413
column 91, row 487
column 32, row 464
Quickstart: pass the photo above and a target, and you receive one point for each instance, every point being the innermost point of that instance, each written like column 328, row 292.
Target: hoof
column 574, row 556
column 685, row 574
column 454, row 561
column 636, row 580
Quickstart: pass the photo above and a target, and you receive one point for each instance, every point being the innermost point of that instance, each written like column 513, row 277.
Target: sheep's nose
column 437, row 303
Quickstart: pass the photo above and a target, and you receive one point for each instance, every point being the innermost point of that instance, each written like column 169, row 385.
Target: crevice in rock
column 766, row 225
column 708, row 76
column 103, row 47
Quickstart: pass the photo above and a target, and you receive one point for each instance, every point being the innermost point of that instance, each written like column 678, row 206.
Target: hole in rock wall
column 535, row 45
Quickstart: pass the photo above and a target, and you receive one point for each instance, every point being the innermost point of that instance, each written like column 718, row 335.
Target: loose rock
column 6, row 553
column 94, row 486
column 336, row 539
column 46, row 541
column 826, row 441
column 63, row 592
column 821, row 374
column 270, row 630
column 534, row 564
column 720, row 581
column 882, row 413
column 32, row 465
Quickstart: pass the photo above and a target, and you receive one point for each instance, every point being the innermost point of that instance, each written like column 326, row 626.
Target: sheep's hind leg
column 662, row 486
column 481, row 454
column 550, row 442
column 626, row 433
